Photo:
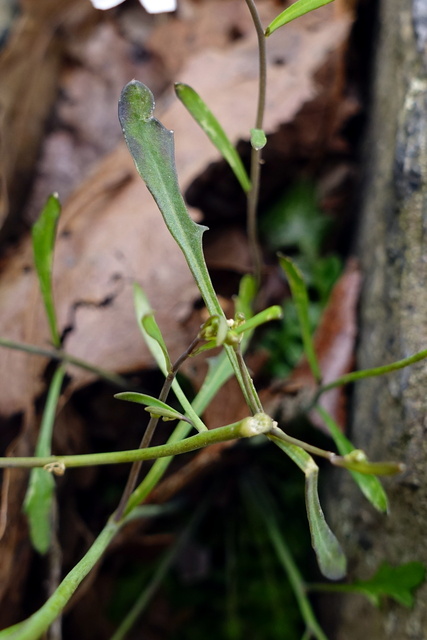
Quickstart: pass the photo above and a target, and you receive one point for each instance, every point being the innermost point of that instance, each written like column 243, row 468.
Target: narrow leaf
column 244, row 300
column 43, row 237
column 330, row 556
column 210, row 125
column 152, row 148
column 300, row 298
column 369, row 485
column 143, row 309
column 267, row 315
column 151, row 327
column 149, row 401
column 40, row 493
column 296, row 10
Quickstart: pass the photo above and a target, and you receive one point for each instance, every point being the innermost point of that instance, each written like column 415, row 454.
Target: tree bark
column 390, row 413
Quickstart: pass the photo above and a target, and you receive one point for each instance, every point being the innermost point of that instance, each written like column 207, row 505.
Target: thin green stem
column 256, row 156
column 371, row 373
column 61, row 356
column 278, row 434
column 60, row 463
column 256, row 406
column 151, row 427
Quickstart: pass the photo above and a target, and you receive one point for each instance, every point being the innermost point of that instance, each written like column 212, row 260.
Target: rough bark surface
column 390, row 413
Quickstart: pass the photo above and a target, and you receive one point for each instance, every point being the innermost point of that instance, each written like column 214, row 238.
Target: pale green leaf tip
column 258, row 139
column 136, row 100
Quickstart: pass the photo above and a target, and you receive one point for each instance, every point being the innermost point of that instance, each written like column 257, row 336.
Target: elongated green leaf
column 151, row 403
column 300, row 298
column 210, row 125
column 370, row 486
column 330, row 557
column 40, row 493
column 157, row 348
column 243, row 302
column 152, row 148
column 38, row 507
column 43, row 236
column 152, row 329
column 267, row 315
column 296, row 10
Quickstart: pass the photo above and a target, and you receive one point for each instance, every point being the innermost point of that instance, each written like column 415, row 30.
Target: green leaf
column 152, row 403
column 157, row 347
column 152, row 148
column 40, row 493
column 330, row 557
column 296, row 10
column 369, row 485
column 398, row 583
column 38, row 507
column 43, row 236
column 258, row 139
column 151, row 327
column 244, row 300
column 267, row 315
column 210, row 125
column 300, row 298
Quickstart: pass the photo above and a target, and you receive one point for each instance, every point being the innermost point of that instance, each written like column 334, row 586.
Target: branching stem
column 151, row 427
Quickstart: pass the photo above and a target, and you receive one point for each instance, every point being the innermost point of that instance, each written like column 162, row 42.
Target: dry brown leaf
column 29, row 67
column 110, row 235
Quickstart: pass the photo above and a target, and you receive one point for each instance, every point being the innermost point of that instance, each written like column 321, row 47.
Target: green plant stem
column 61, row 356
column 219, row 373
column 204, row 439
column 277, row 434
column 371, row 373
column 249, row 386
column 151, row 427
column 256, row 157
column 35, row 626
